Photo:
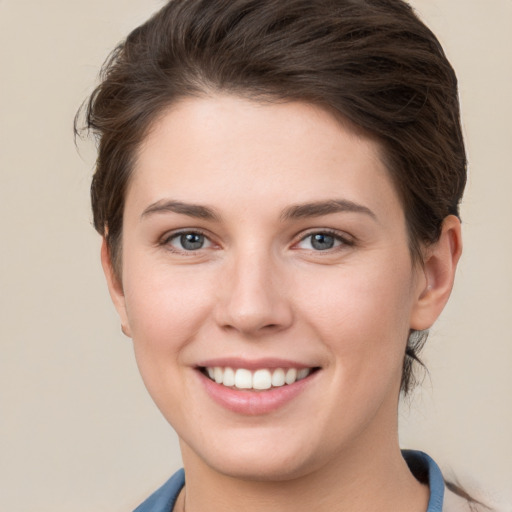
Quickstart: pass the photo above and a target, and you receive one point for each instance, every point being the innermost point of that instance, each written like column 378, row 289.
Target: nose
column 253, row 296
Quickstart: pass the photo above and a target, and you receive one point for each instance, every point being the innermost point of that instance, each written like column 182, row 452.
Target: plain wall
column 78, row 431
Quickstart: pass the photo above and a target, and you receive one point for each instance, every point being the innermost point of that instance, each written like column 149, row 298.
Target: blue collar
column 427, row 471
column 163, row 499
column 421, row 465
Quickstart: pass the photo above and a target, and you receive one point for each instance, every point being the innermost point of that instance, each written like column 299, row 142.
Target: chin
column 262, row 469
column 256, row 459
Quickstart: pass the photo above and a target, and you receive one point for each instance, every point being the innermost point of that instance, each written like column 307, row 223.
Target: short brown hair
column 373, row 62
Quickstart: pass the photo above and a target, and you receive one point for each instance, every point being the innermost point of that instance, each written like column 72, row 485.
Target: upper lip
column 252, row 364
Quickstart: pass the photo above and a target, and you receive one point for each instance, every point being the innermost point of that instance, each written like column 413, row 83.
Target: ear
column 115, row 288
column 438, row 269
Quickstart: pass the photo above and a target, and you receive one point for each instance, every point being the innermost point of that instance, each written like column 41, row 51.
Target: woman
column 277, row 189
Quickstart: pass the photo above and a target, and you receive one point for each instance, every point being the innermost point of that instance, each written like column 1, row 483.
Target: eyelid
column 345, row 239
column 166, row 239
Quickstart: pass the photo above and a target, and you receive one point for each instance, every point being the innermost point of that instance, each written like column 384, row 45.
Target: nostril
column 253, row 308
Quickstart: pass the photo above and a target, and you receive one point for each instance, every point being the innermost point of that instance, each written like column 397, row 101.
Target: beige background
column 78, row 431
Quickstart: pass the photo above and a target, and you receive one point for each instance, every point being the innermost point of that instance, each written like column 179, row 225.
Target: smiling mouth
column 259, row 380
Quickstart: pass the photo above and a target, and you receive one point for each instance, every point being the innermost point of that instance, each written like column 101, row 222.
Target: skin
column 259, row 289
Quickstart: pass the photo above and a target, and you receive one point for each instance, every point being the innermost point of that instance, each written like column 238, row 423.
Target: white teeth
column 260, row 379
column 291, row 376
column 229, row 377
column 278, row 378
column 302, row 374
column 243, row 379
column 218, row 374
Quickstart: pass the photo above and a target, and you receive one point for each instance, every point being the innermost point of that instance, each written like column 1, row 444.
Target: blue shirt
column 421, row 465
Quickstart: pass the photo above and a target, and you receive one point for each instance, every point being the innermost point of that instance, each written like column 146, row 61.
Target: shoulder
column 424, row 468
column 163, row 499
column 442, row 495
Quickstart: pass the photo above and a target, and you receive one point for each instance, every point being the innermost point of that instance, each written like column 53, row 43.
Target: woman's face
column 260, row 241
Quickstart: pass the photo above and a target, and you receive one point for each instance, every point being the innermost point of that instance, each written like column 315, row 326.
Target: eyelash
column 344, row 240
column 167, row 239
column 341, row 240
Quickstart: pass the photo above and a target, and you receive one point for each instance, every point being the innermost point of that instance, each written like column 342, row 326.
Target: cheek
column 165, row 308
column 363, row 316
column 165, row 311
column 363, row 321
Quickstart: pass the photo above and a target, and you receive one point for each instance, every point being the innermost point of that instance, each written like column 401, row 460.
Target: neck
column 368, row 479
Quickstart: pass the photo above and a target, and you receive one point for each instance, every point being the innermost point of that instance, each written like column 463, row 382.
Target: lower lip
column 253, row 403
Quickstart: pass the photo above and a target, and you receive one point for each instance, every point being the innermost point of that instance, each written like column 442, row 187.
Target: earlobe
column 439, row 269
column 115, row 288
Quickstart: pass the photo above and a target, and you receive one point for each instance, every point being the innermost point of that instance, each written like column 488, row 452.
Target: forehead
column 221, row 147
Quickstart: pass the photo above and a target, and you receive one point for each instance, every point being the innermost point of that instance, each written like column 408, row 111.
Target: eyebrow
column 319, row 208
column 192, row 210
column 298, row 211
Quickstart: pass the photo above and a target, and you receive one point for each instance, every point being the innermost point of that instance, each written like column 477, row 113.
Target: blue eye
column 191, row 241
column 321, row 241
